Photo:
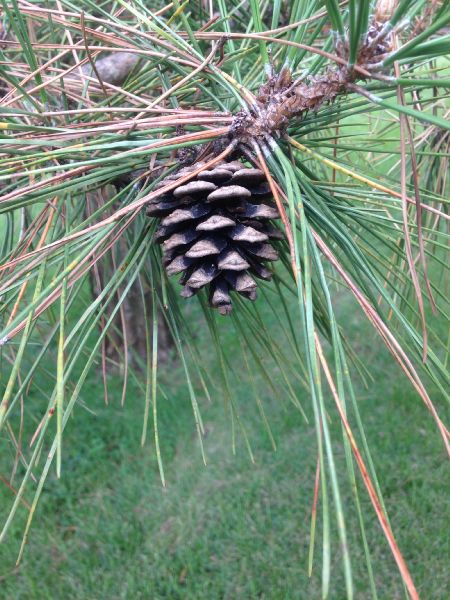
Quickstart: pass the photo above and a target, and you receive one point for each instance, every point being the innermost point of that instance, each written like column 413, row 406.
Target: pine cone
column 216, row 231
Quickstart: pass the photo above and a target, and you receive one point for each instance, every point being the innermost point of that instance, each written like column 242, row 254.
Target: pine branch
column 281, row 99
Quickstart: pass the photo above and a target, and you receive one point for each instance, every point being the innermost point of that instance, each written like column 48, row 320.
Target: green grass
column 232, row 529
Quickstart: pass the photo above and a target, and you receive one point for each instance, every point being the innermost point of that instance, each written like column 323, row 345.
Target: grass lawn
column 232, row 529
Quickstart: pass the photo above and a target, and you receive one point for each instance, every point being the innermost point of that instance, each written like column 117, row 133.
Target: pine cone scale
column 216, row 222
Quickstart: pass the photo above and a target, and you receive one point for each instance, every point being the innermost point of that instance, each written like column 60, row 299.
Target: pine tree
column 317, row 133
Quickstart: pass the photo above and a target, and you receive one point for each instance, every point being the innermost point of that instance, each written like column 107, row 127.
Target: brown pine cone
column 216, row 230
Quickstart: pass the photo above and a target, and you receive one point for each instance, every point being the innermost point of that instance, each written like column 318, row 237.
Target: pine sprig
column 351, row 132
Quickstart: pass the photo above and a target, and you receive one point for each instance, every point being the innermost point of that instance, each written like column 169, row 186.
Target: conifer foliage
column 314, row 139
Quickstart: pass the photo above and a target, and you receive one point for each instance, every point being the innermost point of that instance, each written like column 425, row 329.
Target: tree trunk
column 126, row 336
